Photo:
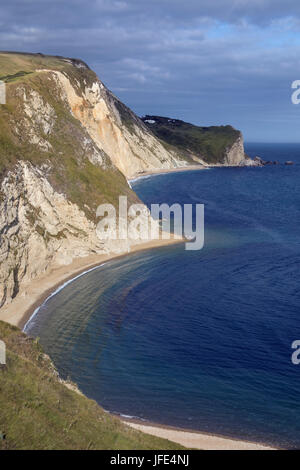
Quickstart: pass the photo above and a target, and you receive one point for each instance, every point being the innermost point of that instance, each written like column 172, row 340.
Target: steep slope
column 39, row 411
column 215, row 145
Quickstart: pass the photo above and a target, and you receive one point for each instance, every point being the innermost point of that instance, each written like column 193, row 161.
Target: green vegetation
column 38, row 411
column 207, row 143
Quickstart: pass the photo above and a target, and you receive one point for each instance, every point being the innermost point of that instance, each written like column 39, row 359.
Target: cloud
column 202, row 61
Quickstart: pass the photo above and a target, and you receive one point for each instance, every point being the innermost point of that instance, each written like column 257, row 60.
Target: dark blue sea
column 197, row 339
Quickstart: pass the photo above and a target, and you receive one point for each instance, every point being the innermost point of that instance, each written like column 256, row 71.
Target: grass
column 207, row 143
column 37, row 411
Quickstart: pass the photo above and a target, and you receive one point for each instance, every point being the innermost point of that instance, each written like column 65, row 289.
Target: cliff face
column 39, row 227
column 235, row 154
column 115, row 129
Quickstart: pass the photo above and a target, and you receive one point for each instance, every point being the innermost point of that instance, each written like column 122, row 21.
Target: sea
column 201, row 339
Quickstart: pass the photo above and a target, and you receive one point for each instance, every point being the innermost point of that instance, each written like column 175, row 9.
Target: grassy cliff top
column 207, row 143
column 15, row 66
column 37, row 411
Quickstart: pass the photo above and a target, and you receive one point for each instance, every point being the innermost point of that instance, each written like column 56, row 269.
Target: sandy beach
column 195, row 439
column 167, row 170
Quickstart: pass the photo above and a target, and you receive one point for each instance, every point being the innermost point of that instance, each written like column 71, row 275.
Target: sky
column 207, row 62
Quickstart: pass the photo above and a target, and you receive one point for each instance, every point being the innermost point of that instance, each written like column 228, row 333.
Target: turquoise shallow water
column 197, row 339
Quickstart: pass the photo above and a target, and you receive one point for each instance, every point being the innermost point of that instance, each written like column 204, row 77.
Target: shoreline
column 195, row 167
column 163, row 171
column 192, row 439
column 34, row 294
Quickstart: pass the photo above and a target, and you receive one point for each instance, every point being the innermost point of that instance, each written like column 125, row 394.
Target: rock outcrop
column 235, row 154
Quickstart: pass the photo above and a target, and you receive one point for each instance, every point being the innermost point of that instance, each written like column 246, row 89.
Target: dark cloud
column 207, row 62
